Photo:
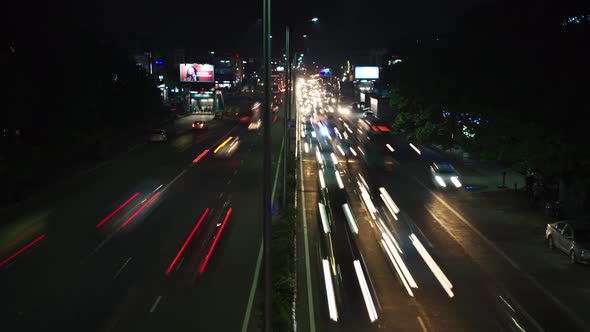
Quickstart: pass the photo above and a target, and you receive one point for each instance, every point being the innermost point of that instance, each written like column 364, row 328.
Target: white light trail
column 306, row 146
column 324, row 217
column 389, row 147
column 340, row 149
column 389, row 207
column 364, row 182
column 365, row 290
column 345, row 134
column 334, row 158
column 391, row 243
column 313, row 134
column 389, row 200
column 330, row 291
column 339, row 179
column 353, row 151
column 415, row 149
column 397, row 269
column 318, row 155
column 367, row 199
column 350, row 218
column 322, row 181
column 442, row 279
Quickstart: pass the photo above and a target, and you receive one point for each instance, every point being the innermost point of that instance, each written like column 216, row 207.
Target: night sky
column 345, row 26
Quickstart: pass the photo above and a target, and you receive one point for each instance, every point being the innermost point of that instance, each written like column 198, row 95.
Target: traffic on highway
column 389, row 248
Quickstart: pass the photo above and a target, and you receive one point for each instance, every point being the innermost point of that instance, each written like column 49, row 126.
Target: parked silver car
column 571, row 237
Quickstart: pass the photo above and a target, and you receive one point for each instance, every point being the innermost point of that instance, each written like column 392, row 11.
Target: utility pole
column 266, row 191
column 286, row 117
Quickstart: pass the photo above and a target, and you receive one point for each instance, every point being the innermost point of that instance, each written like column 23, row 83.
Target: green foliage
column 500, row 65
column 283, row 259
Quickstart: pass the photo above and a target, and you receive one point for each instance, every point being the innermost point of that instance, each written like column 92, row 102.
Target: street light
column 315, row 19
column 304, row 36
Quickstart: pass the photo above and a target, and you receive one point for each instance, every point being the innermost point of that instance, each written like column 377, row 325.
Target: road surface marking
column 422, row 325
column 174, row 180
column 274, row 186
column 252, row 290
column 179, row 263
column 155, row 303
column 247, row 314
column 121, row 269
column 306, row 247
column 499, row 251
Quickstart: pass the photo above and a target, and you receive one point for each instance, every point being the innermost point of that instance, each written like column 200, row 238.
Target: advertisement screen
column 196, row 72
column 366, row 73
column 326, row 72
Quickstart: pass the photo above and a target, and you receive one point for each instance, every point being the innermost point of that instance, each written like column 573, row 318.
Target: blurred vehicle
column 248, row 111
column 444, row 175
column 227, row 148
column 368, row 114
column 255, row 125
column 198, row 125
column 158, row 135
column 571, row 237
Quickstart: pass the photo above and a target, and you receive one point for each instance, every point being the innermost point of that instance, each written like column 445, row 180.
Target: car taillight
column 193, row 125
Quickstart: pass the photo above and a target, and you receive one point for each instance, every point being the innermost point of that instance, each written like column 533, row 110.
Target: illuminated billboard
column 196, row 72
column 366, row 73
column 326, row 72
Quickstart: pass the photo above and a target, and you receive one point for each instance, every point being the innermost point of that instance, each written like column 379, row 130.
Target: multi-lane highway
column 164, row 238
column 383, row 249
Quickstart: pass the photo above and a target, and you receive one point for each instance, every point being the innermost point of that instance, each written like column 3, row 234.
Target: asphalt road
column 165, row 238
column 492, row 288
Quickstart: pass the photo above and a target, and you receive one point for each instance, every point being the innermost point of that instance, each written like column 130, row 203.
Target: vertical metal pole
column 285, row 119
column 266, row 191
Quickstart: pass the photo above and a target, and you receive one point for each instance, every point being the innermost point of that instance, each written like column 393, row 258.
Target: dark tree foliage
column 71, row 94
column 516, row 68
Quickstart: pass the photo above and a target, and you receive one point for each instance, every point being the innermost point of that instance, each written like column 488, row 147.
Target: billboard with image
column 196, row 72
column 326, row 72
column 366, row 73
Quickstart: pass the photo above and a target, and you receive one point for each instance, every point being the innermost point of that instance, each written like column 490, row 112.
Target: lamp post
column 287, row 114
column 266, row 190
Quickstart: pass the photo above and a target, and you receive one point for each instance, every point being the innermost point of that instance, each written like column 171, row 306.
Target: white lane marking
column 274, row 186
column 174, row 180
column 121, row 269
column 179, row 264
column 499, row 251
column 155, row 303
column 247, row 314
column 306, row 247
column 252, row 290
column 422, row 325
column 160, row 186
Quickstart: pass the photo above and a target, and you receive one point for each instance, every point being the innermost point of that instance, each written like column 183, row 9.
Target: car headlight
column 455, row 180
column 440, row 181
